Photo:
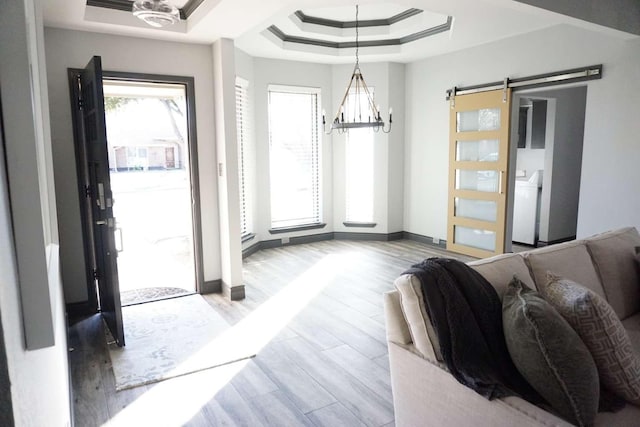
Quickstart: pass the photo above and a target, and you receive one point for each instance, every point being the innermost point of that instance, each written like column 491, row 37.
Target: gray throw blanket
column 466, row 313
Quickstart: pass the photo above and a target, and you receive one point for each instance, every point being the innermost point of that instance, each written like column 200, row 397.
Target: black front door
column 93, row 168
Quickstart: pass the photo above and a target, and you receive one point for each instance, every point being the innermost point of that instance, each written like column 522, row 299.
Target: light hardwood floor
column 325, row 361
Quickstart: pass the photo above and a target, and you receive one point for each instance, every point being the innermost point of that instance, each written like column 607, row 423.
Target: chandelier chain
column 357, row 44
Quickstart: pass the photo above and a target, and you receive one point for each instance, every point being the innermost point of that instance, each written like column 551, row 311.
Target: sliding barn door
column 478, row 161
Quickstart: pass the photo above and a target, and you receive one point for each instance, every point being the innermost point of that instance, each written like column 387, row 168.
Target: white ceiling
column 475, row 22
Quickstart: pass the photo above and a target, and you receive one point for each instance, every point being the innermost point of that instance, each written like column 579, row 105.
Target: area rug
column 170, row 338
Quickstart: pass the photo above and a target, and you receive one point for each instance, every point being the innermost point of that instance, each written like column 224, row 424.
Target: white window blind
column 359, row 169
column 242, row 124
column 294, row 156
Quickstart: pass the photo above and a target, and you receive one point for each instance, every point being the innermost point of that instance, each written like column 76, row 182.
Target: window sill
column 247, row 237
column 359, row 224
column 280, row 230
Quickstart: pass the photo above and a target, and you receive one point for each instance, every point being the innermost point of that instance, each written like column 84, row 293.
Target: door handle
column 119, row 247
column 101, row 222
column 101, row 201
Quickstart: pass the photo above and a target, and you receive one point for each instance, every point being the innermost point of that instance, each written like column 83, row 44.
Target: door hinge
column 80, row 104
column 95, row 273
column 87, row 191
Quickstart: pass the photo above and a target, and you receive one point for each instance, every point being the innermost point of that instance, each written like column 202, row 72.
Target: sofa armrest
column 396, row 325
column 425, row 394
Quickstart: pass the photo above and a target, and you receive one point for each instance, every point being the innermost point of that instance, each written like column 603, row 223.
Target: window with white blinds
column 242, row 124
column 359, row 170
column 294, row 156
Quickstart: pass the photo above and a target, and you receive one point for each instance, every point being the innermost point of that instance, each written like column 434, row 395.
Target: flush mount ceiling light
column 358, row 108
column 157, row 13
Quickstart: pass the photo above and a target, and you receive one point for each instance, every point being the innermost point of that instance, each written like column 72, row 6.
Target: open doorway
column 547, row 145
column 150, row 171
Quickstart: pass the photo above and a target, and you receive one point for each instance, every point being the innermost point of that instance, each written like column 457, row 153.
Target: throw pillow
column 550, row 355
column 601, row 331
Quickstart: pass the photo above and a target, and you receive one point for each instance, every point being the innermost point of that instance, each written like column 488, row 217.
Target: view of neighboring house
column 142, row 135
column 42, row 261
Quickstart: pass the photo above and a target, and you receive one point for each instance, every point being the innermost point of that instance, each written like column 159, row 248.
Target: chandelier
column 358, row 108
column 157, row 13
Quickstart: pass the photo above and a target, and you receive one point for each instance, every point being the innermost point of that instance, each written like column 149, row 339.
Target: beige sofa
column 425, row 394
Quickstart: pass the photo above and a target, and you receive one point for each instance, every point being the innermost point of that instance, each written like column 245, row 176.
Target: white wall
column 39, row 378
column 529, row 159
column 395, row 196
column 227, row 154
column 566, row 161
column 73, row 49
column 610, row 140
column 544, row 220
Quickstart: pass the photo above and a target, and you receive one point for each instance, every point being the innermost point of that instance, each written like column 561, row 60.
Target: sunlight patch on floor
column 176, row 401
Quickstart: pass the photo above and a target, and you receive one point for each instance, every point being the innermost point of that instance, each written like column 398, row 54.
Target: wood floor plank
column 275, row 409
column 307, row 327
column 379, row 318
column 90, row 401
column 205, row 420
column 305, row 392
column 215, row 415
column 252, row 381
column 366, row 405
column 348, row 333
column 363, row 369
column 364, row 324
column 383, row 361
column 238, row 408
column 335, row 415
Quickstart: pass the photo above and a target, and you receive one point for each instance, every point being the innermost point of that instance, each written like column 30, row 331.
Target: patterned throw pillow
column 549, row 354
column 601, row 331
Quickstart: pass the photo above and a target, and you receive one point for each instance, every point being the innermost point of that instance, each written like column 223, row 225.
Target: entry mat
column 170, row 338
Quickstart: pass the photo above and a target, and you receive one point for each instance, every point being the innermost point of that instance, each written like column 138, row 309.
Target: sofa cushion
column 613, row 255
column 601, row 331
column 412, row 302
column 550, row 355
column 570, row 260
column 499, row 270
column 632, row 326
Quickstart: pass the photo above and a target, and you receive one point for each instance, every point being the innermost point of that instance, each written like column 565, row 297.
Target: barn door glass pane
column 476, row 238
column 484, row 210
column 477, row 120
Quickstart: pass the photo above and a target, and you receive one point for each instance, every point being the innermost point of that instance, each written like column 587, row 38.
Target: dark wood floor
column 325, row 366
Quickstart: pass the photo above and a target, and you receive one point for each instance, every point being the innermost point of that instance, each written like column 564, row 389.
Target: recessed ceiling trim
column 190, row 7
column 428, row 32
column 126, row 6
column 352, row 24
column 365, row 43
